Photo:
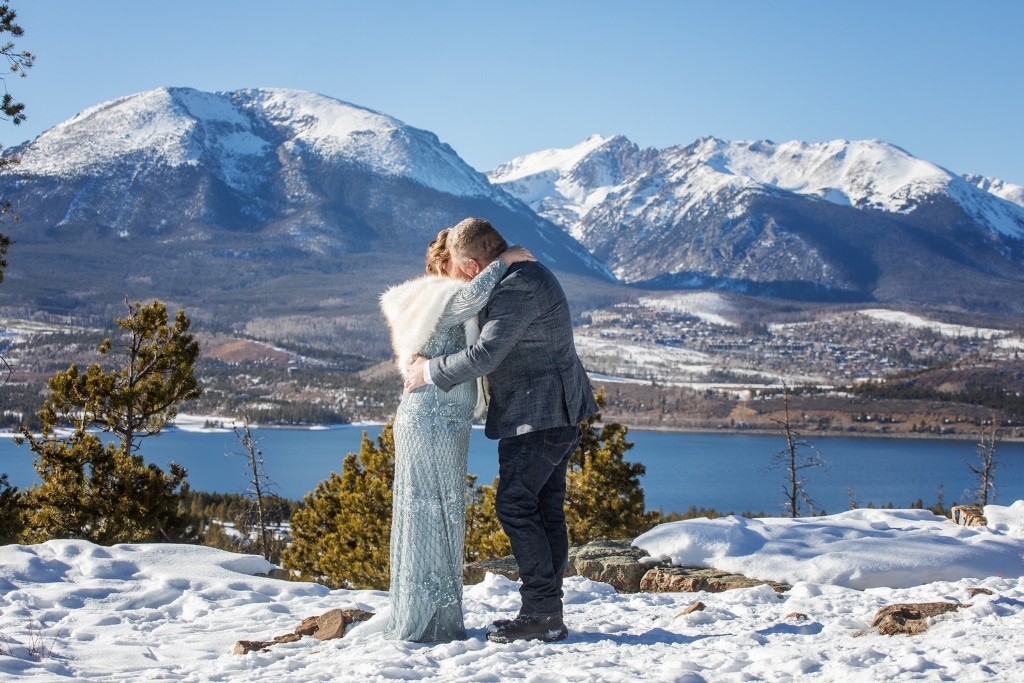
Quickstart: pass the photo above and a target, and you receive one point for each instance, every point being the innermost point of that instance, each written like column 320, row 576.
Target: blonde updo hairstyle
column 438, row 255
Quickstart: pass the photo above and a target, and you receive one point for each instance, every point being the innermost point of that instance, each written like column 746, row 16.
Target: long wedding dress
column 432, row 429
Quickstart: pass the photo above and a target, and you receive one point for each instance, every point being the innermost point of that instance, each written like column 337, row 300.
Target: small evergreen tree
column 11, row 514
column 14, row 112
column 604, row 499
column 106, row 493
column 342, row 535
column 215, row 512
column 485, row 539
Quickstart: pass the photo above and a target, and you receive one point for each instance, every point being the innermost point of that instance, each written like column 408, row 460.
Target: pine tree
column 342, row 536
column 604, row 499
column 485, row 539
column 11, row 514
column 106, row 493
column 13, row 111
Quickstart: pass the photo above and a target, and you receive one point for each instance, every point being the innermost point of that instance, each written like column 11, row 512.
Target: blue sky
column 941, row 79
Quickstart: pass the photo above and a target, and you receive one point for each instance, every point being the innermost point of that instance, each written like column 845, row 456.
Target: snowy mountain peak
column 242, row 130
column 567, row 183
column 562, row 160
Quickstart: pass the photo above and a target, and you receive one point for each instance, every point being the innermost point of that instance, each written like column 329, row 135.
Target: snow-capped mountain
column 818, row 220
column 236, row 134
column 229, row 190
column 323, row 173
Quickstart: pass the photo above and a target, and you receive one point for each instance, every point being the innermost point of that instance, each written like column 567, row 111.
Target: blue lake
column 727, row 472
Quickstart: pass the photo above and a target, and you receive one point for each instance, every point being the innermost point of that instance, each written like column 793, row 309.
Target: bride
column 432, row 315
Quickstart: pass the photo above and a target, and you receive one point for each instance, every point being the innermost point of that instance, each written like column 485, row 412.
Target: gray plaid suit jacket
column 526, row 350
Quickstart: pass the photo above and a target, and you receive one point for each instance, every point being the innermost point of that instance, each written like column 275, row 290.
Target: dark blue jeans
column 530, row 504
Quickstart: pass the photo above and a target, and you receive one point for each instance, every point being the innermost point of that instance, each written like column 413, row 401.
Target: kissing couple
column 486, row 330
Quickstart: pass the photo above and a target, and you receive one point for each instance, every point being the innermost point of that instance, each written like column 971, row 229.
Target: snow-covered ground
column 711, row 307
column 73, row 610
column 945, row 329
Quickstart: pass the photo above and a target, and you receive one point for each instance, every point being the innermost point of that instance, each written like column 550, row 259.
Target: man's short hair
column 476, row 238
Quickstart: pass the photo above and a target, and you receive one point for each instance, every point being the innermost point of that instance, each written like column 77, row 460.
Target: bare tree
column 793, row 461
column 986, row 470
column 257, row 514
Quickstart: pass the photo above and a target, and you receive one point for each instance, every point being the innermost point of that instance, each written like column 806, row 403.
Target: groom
column 539, row 394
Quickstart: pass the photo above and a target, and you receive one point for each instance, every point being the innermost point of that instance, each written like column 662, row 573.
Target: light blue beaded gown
column 428, row 522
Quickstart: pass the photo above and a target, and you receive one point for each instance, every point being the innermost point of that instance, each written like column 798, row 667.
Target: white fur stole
column 412, row 310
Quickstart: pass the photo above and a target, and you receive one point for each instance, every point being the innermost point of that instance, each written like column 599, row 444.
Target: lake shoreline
column 804, row 435
column 192, row 420
column 711, row 469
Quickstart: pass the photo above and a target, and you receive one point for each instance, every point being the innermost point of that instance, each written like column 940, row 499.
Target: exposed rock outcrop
column 910, row 618
column 969, row 515
column 627, row 569
column 327, row 626
column 694, row 579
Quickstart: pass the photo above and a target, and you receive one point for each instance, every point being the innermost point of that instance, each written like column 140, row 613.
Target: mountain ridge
column 795, row 220
column 279, row 202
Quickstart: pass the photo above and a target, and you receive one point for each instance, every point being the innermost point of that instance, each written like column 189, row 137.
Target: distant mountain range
column 842, row 221
column 270, row 203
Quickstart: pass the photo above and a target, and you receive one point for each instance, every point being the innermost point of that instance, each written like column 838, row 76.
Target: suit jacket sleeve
column 509, row 312
column 471, row 298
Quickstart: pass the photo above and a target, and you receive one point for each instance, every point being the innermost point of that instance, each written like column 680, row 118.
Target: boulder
column 909, row 618
column 330, row 625
column 333, row 624
column 969, row 515
column 616, row 563
column 694, row 579
column 244, row 647
column 308, row 626
column 474, row 572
